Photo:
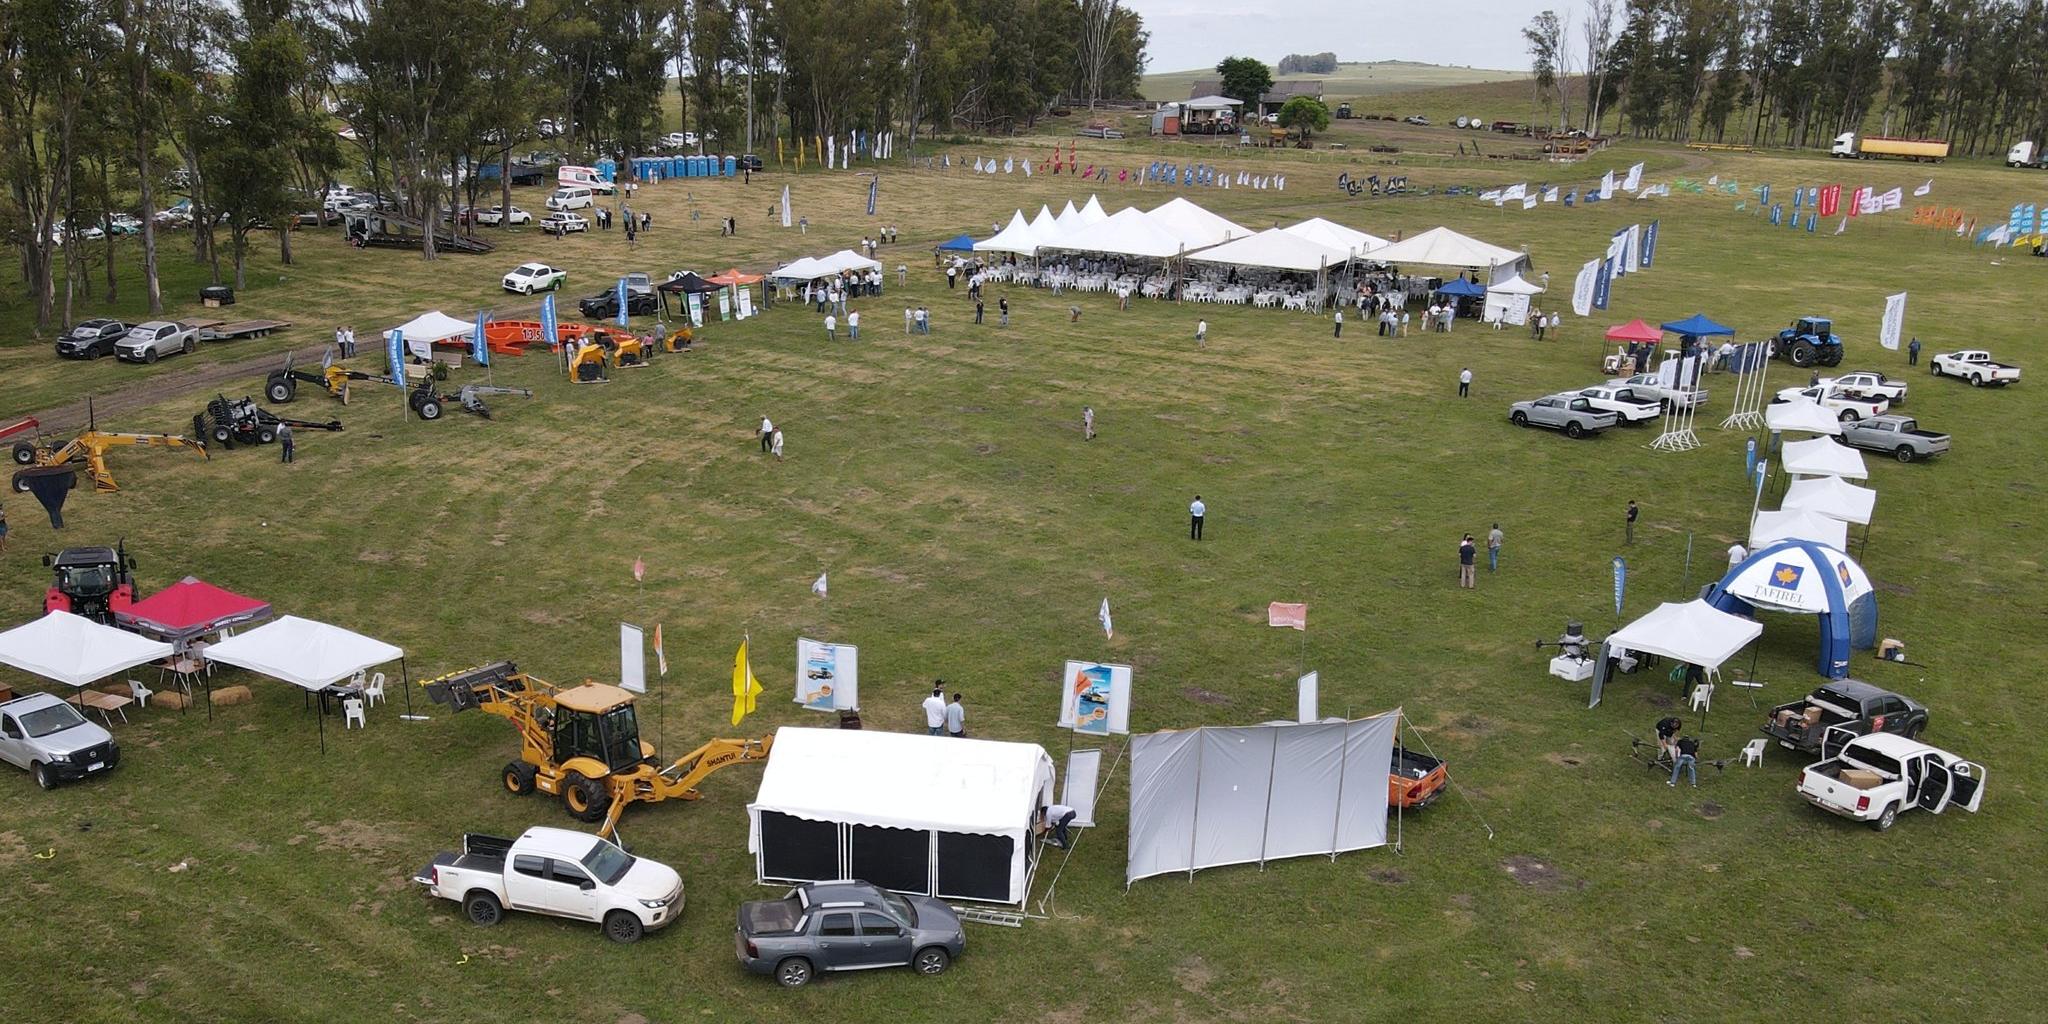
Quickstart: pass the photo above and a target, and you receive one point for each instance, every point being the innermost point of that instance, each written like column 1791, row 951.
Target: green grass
column 1353, row 79
column 970, row 533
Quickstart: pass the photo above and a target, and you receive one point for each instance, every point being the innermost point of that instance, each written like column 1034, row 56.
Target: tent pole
column 1343, row 768
column 322, row 712
column 1400, row 809
column 1195, row 823
column 1266, row 828
column 405, row 682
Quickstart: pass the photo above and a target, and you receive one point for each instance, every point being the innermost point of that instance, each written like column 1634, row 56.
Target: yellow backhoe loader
column 582, row 743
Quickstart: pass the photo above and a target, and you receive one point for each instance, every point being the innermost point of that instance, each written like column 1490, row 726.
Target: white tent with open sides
column 1016, row 237
column 1693, row 632
column 1800, row 414
column 1820, row 456
column 76, row 651
column 1273, row 249
column 1797, row 524
column 1093, row 212
column 846, row 259
column 1442, row 247
column 1509, row 300
column 1833, row 497
column 1337, row 236
column 918, row 814
column 1127, row 232
column 426, row 330
column 1196, row 227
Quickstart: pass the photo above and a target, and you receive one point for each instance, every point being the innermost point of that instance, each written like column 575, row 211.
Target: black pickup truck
column 1846, row 703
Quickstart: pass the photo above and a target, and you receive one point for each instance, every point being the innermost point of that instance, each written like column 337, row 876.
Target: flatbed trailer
column 227, row 330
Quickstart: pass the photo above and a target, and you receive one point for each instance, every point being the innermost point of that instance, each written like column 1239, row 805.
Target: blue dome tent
column 1806, row 577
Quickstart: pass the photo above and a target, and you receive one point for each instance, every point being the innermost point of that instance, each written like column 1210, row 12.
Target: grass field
column 229, row 871
column 1354, row 79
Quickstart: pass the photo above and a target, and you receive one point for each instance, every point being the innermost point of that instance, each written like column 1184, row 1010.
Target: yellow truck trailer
column 1870, row 147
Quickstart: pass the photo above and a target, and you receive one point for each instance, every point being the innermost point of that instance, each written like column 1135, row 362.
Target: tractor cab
column 1809, row 341
column 1814, row 327
column 597, row 721
column 91, row 582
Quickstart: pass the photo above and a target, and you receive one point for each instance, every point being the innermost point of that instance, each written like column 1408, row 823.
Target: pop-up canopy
column 1821, row 457
column 76, row 651
column 1634, row 330
column 1692, row 632
column 1698, row 326
column 731, row 276
column 1442, row 247
column 1833, row 497
column 435, row 326
column 1797, row 524
column 1805, row 576
column 307, row 654
column 191, row 608
column 1803, row 414
column 958, row 243
column 1462, row 289
column 687, row 282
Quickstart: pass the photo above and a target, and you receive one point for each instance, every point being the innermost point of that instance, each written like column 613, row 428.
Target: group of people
column 942, row 718
column 1682, row 750
column 771, row 438
column 1468, row 556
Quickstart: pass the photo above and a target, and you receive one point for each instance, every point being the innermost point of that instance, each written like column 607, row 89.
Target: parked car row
column 140, row 343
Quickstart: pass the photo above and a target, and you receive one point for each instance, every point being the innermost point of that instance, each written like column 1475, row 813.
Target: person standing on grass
column 935, row 710
column 1338, row 320
column 3, row 529
column 1196, row 510
column 1468, row 553
column 831, row 327
column 924, row 320
column 1556, row 321
column 1003, row 311
column 952, row 276
column 1087, row 423
column 1465, row 382
column 1913, row 352
column 284, row 441
column 853, row 325
column 977, row 312
column 1628, row 523
column 767, row 433
column 1404, row 323
column 775, row 444
column 956, row 718
column 1201, row 332
column 1493, row 542
column 909, row 319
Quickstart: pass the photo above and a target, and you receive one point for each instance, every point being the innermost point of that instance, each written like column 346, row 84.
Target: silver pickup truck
column 845, row 926
column 55, row 743
column 1897, row 436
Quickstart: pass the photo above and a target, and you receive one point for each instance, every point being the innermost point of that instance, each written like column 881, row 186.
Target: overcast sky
column 1480, row 33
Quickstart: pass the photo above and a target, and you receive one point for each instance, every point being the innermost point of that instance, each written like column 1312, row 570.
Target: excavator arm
column 679, row 780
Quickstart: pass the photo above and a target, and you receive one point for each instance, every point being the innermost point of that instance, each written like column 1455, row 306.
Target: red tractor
column 93, row 582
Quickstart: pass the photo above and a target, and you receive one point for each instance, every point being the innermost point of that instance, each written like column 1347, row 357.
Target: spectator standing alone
column 831, row 327
column 1913, row 352
column 284, row 441
column 1628, row 535
column 1468, row 553
column 1003, row 311
column 977, row 312
column 935, row 711
column 3, row 529
column 775, row 444
column 1196, row 510
column 853, row 325
column 956, row 718
column 952, row 276
column 1338, row 322
column 1493, row 542
column 1087, row 423
column 1465, row 382
column 1201, row 332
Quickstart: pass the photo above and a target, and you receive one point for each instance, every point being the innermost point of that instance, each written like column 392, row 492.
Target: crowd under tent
column 1693, row 632
column 1336, row 236
column 1803, row 415
column 189, row 609
column 1016, row 237
column 76, row 651
column 1797, row 524
column 930, row 815
column 1126, row 233
column 1509, row 300
column 307, row 654
column 1442, row 247
column 1803, row 576
column 1820, row 456
column 1209, row 797
column 426, row 330
column 1274, row 249
column 1196, row 227
column 1833, row 497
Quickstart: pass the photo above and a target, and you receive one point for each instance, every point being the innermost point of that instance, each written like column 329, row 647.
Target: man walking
column 1087, row 423
column 1493, row 541
column 853, row 325
column 284, row 440
column 775, row 444
column 1736, row 553
column 1628, row 535
column 1201, row 333
column 956, row 718
column 1196, row 510
column 1468, row 552
column 1465, row 382
column 831, row 327
column 1913, row 352
column 767, row 433
column 935, row 710
column 952, row 275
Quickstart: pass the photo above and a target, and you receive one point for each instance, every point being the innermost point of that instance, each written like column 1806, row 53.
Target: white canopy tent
column 1016, row 237
column 1831, row 496
column 1044, row 228
column 1211, row 103
column 1127, row 232
column 1093, row 212
column 1693, row 632
column 920, row 814
column 806, row 269
column 76, row 651
column 1820, row 456
column 423, row 331
column 1805, row 415
column 1442, row 247
column 846, row 259
column 1336, row 236
column 1274, row 249
column 1196, row 227
column 1509, row 300
column 1797, row 524
column 307, row 654
column 1068, row 218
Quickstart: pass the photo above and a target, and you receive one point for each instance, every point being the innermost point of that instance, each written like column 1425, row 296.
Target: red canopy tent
column 1635, row 330
column 190, row 608
column 732, row 276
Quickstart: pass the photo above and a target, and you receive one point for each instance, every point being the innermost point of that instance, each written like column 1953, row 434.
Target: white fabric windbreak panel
column 1163, row 772
column 1362, row 807
column 1084, row 767
column 1235, row 777
column 1307, row 763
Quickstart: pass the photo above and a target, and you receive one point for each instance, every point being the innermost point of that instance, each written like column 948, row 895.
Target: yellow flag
column 745, row 688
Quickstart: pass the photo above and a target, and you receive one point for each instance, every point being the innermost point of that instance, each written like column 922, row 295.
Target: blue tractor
column 1810, row 341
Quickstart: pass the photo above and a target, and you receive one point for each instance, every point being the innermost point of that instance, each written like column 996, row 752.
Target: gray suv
column 53, row 741
column 846, row 926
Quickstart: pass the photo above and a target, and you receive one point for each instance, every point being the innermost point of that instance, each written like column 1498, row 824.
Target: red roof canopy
column 1635, row 330
column 732, row 276
column 191, row 607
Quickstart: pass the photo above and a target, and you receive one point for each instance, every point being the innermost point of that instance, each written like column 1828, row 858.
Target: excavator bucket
column 472, row 687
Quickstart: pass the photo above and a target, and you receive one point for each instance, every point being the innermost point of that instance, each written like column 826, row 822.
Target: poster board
column 1084, row 768
column 746, row 297
column 632, row 659
column 1095, row 699
column 827, row 675
column 1305, row 697
column 696, row 304
column 724, row 306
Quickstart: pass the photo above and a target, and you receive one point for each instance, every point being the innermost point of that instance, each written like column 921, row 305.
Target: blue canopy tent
column 960, row 244
column 1697, row 325
column 1463, row 289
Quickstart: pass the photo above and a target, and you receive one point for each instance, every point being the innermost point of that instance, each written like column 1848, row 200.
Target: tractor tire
column 265, row 435
column 519, row 777
column 1519, row 419
column 586, row 800
column 280, row 388
column 150, row 356
column 1801, row 354
column 430, row 409
column 20, row 484
column 1833, row 356
column 1573, row 430
column 623, row 927
column 221, row 436
column 24, row 453
column 482, row 909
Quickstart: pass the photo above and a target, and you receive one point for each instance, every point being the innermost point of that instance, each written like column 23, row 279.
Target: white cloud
column 1479, row 33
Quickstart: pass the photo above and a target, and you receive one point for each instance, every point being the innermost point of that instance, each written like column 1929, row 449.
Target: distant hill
column 1353, row 79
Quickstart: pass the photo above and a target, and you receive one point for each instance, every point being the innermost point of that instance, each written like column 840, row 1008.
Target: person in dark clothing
column 977, row 311
column 1468, row 553
column 1629, row 523
column 1667, row 729
column 1687, row 761
column 284, row 441
column 1913, row 352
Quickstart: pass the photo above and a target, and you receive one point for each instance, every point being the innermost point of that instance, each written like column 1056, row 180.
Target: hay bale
column 172, row 699
column 232, row 695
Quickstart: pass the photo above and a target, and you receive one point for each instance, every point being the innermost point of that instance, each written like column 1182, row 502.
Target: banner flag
column 1582, row 288
column 1894, row 321
column 548, row 326
column 1924, row 189
column 1620, row 583
column 660, row 655
column 1287, row 616
column 1603, row 283
column 745, row 688
column 819, row 586
column 619, row 293
column 1634, row 180
column 785, row 206
column 1103, row 614
column 478, row 349
column 1843, row 226
column 1830, row 200
column 639, row 570
column 1607, row 185
column 394, row 353
column 874, row 193
column 632, row 659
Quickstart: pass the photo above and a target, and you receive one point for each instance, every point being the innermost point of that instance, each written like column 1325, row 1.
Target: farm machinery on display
column 283, row 385
column 429, row 402
column 241, row 421
column 1810, row 341
column 582, row 743
column 88, row 451
column 92, row 582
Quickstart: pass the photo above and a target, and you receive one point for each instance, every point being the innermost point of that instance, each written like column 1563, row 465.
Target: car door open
column 1966, row 785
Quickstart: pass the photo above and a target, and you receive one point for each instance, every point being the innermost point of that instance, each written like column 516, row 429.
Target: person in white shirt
column 1196, row 510
column 776, row 444
column 853, row 326
column 1465, row 382
column 767, row 433
column 935, row 712
column 956, row 718
column 1736, row 553
column 1057, row 818
column 909, row 317
column 831, row 327
column 1201, row 332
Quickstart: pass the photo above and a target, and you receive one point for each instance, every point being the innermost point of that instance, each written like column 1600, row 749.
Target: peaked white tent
column 435, row 326
column 1275, row 249
column 1831, row 496
column 1797, row 524
column 1802, row 414
column 1693, row 632
column 846, row 259
column 1093, row 212
column 1044, row 227
column 1822, row 457
column 1127, row 232
column 806, row 269
column 1509, row 300
column 912, row 813
column 1336, row 236
column 1015, row 237
column 1068, row 218
column 1196, row 227
column 76, row 651
column 1442, row 247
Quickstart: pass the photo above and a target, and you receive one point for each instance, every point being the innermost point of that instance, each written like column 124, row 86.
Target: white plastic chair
column 1753, row 752
column 352, row 714
column 374, row 693
column 1703, row 697
column 139, row 692
column 357, row 679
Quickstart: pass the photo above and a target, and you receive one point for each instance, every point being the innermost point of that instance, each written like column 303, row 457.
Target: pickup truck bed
column 479, row 853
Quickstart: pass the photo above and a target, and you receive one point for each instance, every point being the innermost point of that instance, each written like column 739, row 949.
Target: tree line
column 1798, row 72
column 241, row 113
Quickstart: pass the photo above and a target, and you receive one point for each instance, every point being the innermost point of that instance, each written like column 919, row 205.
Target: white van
column 570, row 197
column 584, row 176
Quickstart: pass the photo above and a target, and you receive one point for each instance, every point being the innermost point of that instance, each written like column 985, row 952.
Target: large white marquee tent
column 1127, row 232
column 76, row 651
column 1274, row 249
column 1337, row 236
column 1196, row 227
column 1442, row 247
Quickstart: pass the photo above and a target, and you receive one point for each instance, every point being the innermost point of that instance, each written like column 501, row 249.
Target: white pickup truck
column 1624, row 402
column 560, row 872
column 1873, row 778
column 1847, row 407
column 1973, row 365
column 1868, row 384
column 1647, row 385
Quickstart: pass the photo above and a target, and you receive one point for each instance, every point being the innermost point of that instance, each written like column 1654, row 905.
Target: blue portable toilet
column 696, row 166
column 675, row 167
column 732, row 167
column 608, row 169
